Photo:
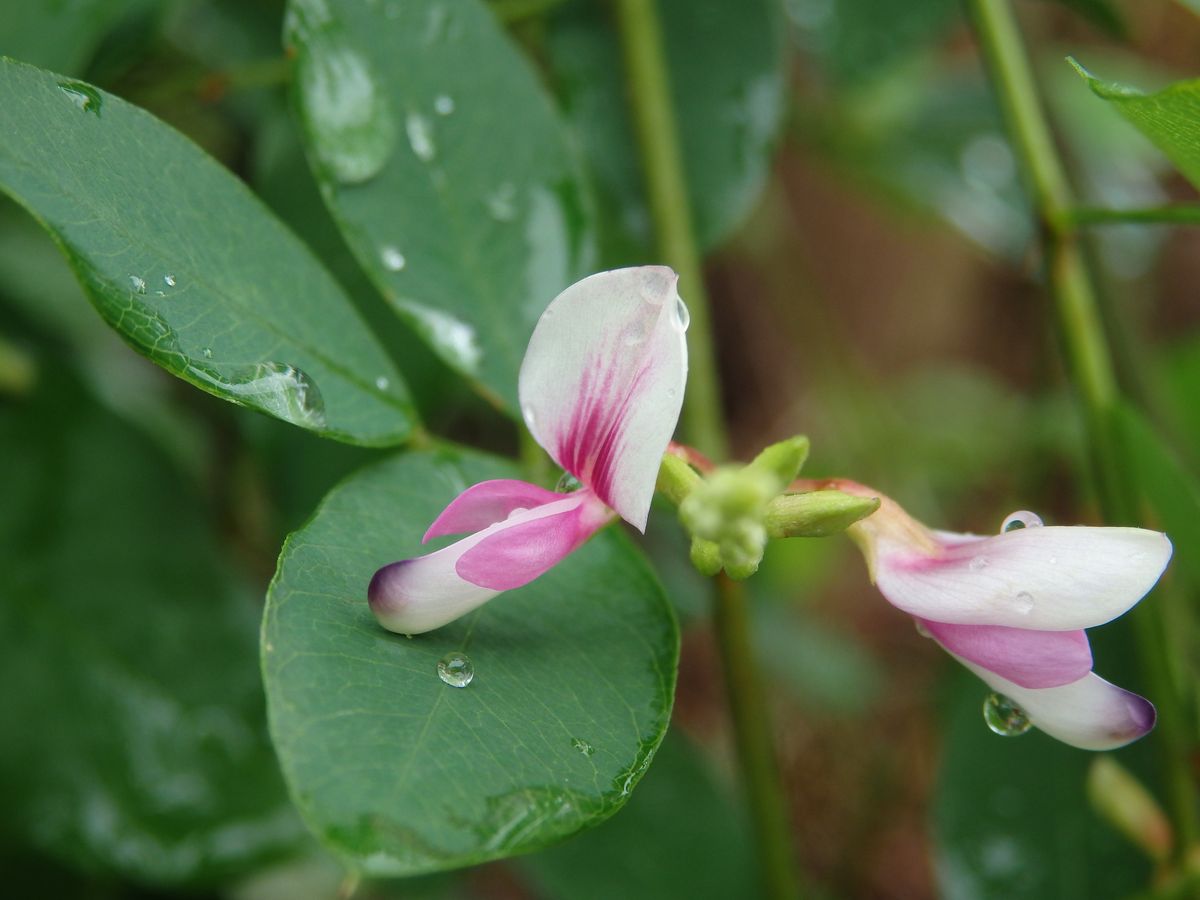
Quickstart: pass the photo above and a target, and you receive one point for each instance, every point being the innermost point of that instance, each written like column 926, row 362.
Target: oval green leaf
column 188, row 266
column 445, row 166
column 1170, row 118
column 399, row 773
column 727, row 65
column 135, row 738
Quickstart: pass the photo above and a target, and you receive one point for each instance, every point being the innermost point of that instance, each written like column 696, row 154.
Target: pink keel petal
column 1031, row 659
column 522, row 549
column 487, row 503
column 602, row 382
column 418, row 595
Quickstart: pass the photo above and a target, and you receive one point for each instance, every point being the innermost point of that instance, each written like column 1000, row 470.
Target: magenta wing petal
column 1031, row 659
column 528, row 544
column 602, row 382
column 487, row 503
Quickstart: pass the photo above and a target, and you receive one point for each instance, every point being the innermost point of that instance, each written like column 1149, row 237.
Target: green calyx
column 816, row 513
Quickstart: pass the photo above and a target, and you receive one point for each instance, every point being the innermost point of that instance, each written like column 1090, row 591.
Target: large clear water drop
column 1004, row 717
column 456, row 669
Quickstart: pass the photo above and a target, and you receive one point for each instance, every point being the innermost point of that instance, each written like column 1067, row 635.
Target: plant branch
column 1089, row 361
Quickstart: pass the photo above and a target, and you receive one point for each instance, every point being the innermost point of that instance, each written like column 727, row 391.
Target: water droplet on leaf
column 443, row 104
column 281, row 390
column 456, row 669
column 137, row 283
column 169, row 280
column 583, row 746
column 420, row 136
column 568, row 484
column 83, row 96
column 207, row 351
column 352, row 128
column 1022, row 518
column 393, row 260
column 502, row 202
column 381, row 382
column 1004, row 717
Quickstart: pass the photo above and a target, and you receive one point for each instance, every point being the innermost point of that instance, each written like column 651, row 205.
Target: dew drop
column 420, row 136
column 671, row 392
column 382, row 383
column 1022, row 518
column 1004, row 717
column 583, row 746
column 682, row 317
column 455, row 669
column 84, row 96
column 443, row 104
column 137, row 283
column 393, row 260
column 502, row 202
column 1023, row 603
column 207, row 351
column 279, row 389
column 567, row 484
column 169, row 280
column 352, row 128
column 978, row 564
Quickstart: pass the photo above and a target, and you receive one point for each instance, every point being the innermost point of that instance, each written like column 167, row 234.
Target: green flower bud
column 782, row 462
column 816, row 513
column 706, row 557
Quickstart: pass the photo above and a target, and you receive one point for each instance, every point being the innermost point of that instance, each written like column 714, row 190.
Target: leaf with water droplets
column 134, row 739
column 467, row 238
column 395, row 769
column 727, row 64
column 187, row 265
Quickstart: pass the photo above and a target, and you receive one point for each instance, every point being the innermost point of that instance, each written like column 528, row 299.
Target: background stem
column 662, row 167
column 1089, row 363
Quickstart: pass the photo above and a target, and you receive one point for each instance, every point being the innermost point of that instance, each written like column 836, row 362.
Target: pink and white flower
column 600, row 389
column 1012, row 607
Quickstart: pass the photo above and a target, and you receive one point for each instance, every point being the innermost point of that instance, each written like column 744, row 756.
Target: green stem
column 1088, row 360
column 1183, row 214
column 662, row 166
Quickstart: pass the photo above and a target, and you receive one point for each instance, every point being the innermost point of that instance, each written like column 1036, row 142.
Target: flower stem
column 1089, row 362
column 662, row 167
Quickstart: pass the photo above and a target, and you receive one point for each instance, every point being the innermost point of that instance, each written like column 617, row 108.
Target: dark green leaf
column 443, row 162
column 60, row 35
column 727, row 69
column 187, row 265
column 135, row 740
column 1170, row 117
column 400, row 773
column 680, row 836
column 1011, row 818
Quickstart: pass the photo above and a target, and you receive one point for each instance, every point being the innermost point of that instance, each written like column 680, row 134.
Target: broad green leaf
column 1011, row 818
column 727, row 69
column 400, row 773
column 182, row 260
column 1170, row 118
column 680, row 836
column 446, row 168
column 135, row 739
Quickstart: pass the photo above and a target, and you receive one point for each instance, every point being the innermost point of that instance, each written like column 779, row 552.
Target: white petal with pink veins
column 602, row 382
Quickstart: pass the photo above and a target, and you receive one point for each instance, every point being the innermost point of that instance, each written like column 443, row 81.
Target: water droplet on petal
column 978, row 563
column 921, row 629
column 84, row 96
column 443, row 104
column 583, row 746
column 1023, row 603
column 567, row 484
column 1022, row 518
column 382, row 383
column 352, row 128
column 671, row 392
column 1004, row 717
column 137, row 283
column 169, row 280
column 683, row 318
column 393, row 260
column 455, row 669
column 420, row 136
